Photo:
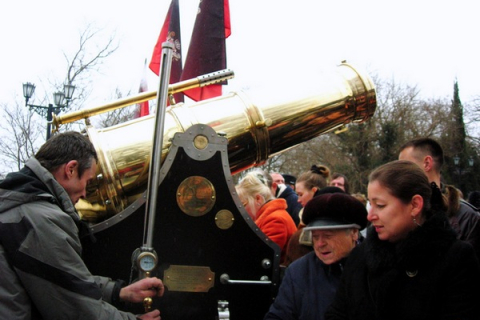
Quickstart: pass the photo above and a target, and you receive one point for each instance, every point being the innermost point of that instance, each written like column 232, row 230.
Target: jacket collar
column 423, row 246
column 33, row 183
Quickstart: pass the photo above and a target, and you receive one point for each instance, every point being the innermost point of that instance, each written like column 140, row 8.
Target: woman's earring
column 415, row 221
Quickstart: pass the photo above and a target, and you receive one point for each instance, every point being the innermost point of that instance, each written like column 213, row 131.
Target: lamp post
column 60, row 99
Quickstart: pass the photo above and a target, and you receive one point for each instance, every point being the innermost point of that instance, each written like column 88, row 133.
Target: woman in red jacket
column 268, row 212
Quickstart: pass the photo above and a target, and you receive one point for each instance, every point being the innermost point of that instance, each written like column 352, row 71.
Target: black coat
column 307, row 289
column 429, row 275
column 293, row 206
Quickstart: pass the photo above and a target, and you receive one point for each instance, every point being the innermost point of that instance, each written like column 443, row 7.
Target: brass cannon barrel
column 257, row 126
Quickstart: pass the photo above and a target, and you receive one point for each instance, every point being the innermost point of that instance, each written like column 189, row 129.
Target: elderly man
column 310, row 283
column 43, row 275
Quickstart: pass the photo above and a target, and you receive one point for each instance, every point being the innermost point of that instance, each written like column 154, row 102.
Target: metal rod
column 49, row 120
column 200, row 81
column 155, row 159
column 225, row 279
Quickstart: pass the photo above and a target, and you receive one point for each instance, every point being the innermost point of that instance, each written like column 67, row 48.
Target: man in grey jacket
column 42, row 273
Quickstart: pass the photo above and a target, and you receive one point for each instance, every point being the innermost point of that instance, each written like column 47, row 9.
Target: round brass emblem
column 200, row 142
column 196, row 196
column 224, row 219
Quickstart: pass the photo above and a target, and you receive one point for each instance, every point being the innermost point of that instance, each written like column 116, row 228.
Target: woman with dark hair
column 411, row 266
column 310, row 182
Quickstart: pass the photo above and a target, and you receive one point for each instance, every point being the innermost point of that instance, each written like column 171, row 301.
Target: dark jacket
column 293, row 206
column 429, row 275
column 42, row 273
column 467, row 225
column 307, row 289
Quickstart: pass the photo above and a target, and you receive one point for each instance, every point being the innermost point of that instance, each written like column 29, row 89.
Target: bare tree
column 87, row 59
column 23, row 132
column 18, row 145
column 400, row 116
column 118, row 115
column 472, row 118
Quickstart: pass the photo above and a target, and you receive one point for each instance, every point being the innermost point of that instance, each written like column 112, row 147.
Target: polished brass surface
column 257, row 125
column 224, row 219
column 147, row 304
column 196, row 196
column 211, row 78
column 188, row 278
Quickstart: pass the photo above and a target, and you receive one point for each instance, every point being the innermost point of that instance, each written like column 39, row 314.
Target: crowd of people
column 409, row 249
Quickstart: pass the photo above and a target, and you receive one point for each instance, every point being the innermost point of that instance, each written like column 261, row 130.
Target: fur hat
column 334, row 211
column 328, row 189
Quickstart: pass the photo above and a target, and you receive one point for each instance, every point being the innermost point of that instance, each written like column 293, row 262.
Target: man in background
column 281, row 190
column 465, row 220
column 340, row 181
column 289, row 180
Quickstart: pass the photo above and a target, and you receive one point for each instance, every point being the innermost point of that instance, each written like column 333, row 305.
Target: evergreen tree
column 458, row 126
column 456, row 153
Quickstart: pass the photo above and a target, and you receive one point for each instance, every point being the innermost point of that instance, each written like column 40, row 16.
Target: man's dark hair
column 64, row 147
column 427, row 146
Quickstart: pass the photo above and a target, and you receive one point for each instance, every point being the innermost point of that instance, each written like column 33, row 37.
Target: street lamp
column 60, row 99
column 456, row 160
column 470, row 161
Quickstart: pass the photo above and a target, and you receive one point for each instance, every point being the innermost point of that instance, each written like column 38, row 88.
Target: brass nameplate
column 188, row 278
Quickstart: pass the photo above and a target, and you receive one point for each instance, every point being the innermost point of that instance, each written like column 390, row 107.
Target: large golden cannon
column 209, row 250
column 257, row 126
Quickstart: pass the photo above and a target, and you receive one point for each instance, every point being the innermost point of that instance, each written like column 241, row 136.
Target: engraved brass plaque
column 189, row 278
column 224, row 219
column 196, row 196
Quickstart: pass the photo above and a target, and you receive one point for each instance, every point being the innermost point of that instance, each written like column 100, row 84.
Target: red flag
column 170, row 32
column 143, row 107
column 206, row 52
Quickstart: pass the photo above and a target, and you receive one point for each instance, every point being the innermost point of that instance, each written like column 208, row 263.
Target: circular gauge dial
column 147, row 261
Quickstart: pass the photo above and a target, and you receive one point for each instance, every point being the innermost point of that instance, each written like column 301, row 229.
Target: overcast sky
column 425, row 43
